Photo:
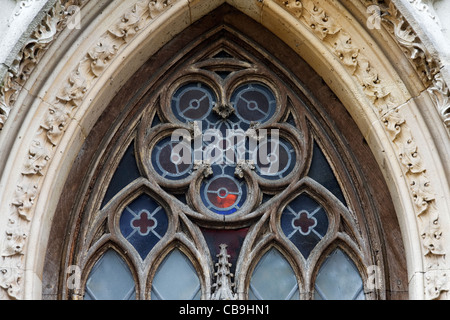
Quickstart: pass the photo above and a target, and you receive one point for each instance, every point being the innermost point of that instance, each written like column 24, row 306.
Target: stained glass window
column 169, row 161
column 143, row 223
column 305, row 223
column 126, row 172
column 227, row 162
column 253, row 102
column 110, row 279
column 321, row 171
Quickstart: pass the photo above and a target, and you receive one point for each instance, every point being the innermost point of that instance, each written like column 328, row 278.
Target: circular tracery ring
column 226, row 142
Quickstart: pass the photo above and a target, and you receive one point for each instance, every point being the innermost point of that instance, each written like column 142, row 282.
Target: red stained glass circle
column 223, row 192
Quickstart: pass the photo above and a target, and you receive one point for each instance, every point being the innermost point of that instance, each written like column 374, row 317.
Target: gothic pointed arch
column 284, row 186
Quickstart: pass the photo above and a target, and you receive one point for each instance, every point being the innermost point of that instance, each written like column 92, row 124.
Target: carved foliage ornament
column 28, row 57
column 428, row 68
column 340, row 43
column 58, row 115
column 227, row 190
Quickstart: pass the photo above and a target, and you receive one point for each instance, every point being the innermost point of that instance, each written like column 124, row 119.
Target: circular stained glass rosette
column 274, row 158
column 143, row 223
column 254, row 102
column 172, row 159
column 193, row 101
column 305, row 223
column 223, row 193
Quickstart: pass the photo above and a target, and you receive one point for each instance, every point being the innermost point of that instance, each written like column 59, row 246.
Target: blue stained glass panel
column 321, row 171
column 254, row 102
column 143, row 223
column 223, row 193
column 274, row 158
column 193, row 101
column 126, row 172
column 305, row 223
column 223, row 142
column 172, row 159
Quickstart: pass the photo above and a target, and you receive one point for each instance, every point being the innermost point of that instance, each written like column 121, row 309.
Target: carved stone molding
column 427, row 66
column 33, row 49
column 441, row 95
column 340, row 43
column 58, row 115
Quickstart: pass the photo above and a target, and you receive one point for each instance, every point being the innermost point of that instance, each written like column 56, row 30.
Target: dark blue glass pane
column 126, row 172
column 172, row 159
column 254, row 102
column 321, row 171
column 143, row 223
column 156, row 121
column 305, row 223
column 193, row 101
column 266, row 197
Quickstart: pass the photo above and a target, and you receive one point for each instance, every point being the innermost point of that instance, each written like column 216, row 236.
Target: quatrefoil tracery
column 243, row 130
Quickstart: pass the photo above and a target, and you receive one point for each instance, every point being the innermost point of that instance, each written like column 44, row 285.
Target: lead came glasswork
column 176, row 279
column 223, row 193
column 172, row 165
column 143, row 223
column 254, row 102
column 273, row 279
column 305, row 223
column 338, row 279
column 274, row 159
column 110, row 279
column 193, row 101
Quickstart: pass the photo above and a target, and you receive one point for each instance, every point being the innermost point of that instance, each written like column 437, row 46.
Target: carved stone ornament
column 223, row 287
column 29, row 56
column 223, row 110
column 427, row 67
column 340, row 43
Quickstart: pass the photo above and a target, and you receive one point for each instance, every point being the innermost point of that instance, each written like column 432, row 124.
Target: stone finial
column 223, row 287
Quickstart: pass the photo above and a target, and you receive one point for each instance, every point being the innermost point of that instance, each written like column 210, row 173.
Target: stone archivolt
column 141, row 15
